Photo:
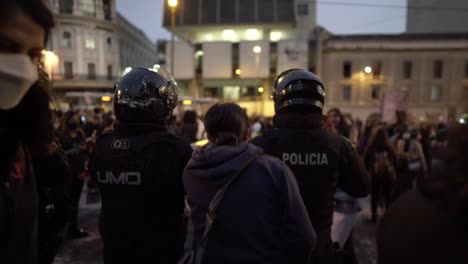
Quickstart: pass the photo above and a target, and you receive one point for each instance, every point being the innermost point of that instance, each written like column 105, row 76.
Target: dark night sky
column 147, row 15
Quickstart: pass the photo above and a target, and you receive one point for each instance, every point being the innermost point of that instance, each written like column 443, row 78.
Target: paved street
column 89, row 250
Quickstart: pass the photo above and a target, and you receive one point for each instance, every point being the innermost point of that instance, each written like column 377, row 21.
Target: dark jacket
column 139, row 172
column 18, row 212
column 261, row 218
column 321, row 162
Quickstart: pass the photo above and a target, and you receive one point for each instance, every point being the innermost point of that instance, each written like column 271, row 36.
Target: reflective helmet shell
column 298, row 87
column 145, row 96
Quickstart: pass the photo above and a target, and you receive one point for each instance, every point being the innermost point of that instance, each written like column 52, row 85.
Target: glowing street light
column 257, row 49
column 367, row 69
column 238, row 71
column 173, row 5
column 260, row 89
column 106, row 98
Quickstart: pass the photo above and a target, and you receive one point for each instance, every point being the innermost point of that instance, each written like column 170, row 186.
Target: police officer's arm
column 353, row 177
column 298, row 236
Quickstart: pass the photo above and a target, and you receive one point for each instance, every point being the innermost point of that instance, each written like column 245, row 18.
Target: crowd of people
column 279, row 190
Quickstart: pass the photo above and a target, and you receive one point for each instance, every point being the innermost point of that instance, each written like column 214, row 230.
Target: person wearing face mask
column 73, row 140
column 24, row 26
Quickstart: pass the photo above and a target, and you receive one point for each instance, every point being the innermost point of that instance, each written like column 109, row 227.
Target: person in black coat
column 138, row 168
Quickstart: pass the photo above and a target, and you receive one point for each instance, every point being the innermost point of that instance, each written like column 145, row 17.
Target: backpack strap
column 195, row 255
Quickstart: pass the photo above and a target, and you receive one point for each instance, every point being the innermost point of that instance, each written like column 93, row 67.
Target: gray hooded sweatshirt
column 261, row 218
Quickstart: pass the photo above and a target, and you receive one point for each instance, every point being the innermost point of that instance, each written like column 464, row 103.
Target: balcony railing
column 84, row 77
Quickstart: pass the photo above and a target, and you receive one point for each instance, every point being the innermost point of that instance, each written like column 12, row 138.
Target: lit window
column 436, row 93
column 90, row 42
column 275, row 36
column 89, row 7
column 346, row 93
column 66, row 40
column 252, row 34
column 229, row 35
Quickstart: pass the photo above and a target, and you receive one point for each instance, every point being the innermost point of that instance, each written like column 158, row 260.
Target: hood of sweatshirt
column 216, row 164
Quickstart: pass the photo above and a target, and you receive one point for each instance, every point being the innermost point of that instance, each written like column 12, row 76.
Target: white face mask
column 17, row 75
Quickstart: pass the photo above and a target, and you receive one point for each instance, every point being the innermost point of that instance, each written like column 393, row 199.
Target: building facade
column 135, row 48
column 215, row 56
column 82, row 46
column 216, row 59
column 431, row 68
column 89, row 49
column 437, row 16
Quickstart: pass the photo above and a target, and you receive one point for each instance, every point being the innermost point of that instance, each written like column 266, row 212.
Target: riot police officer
column 138, row 167
column 320, row 160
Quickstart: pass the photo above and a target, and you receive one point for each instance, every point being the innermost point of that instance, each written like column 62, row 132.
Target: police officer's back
column 139, row 168
column 320, row 160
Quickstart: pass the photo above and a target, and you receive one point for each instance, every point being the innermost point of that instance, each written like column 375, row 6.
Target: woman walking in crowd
column 379, row 158
column 261, row 218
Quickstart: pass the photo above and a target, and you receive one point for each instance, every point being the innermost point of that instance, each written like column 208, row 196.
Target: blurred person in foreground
column 24, row 26
column 261, row 218
column 320, row 160
column 429, row 224
column 138, row 167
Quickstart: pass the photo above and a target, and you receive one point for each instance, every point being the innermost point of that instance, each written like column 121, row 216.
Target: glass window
column 302, row 9
column 246, row 11
column 109, row 43
column 436, row 93
column 109, row 72
column 228, row 12
column 466, row 70
column 377, row 70
column 347, row 67
column 91, row 71
column 407, row 69
column 66, row 6
column 375, row 91
column 89, row 7
column 285, row 9
column 266, row 12
column 68, row 66
column 209, row 11
column 90, row 42
column 438, row 69
column 66, row 39
column 107, row 8
column 346, row 93
column 190, row 12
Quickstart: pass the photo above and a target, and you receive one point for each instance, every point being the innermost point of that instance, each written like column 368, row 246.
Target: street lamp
column 173, row 5
column 367, row 69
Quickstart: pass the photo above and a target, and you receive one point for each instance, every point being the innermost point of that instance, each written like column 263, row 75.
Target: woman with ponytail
column 430, row 225
column 261, row 217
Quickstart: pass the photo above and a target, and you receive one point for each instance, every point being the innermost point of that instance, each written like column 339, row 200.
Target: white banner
column 292, row 54
column 184, row 60
column 251, row 64
column 217, row 60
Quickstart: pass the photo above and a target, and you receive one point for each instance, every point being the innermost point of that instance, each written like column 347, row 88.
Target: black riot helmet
column 298, row 89
column 145, row 96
